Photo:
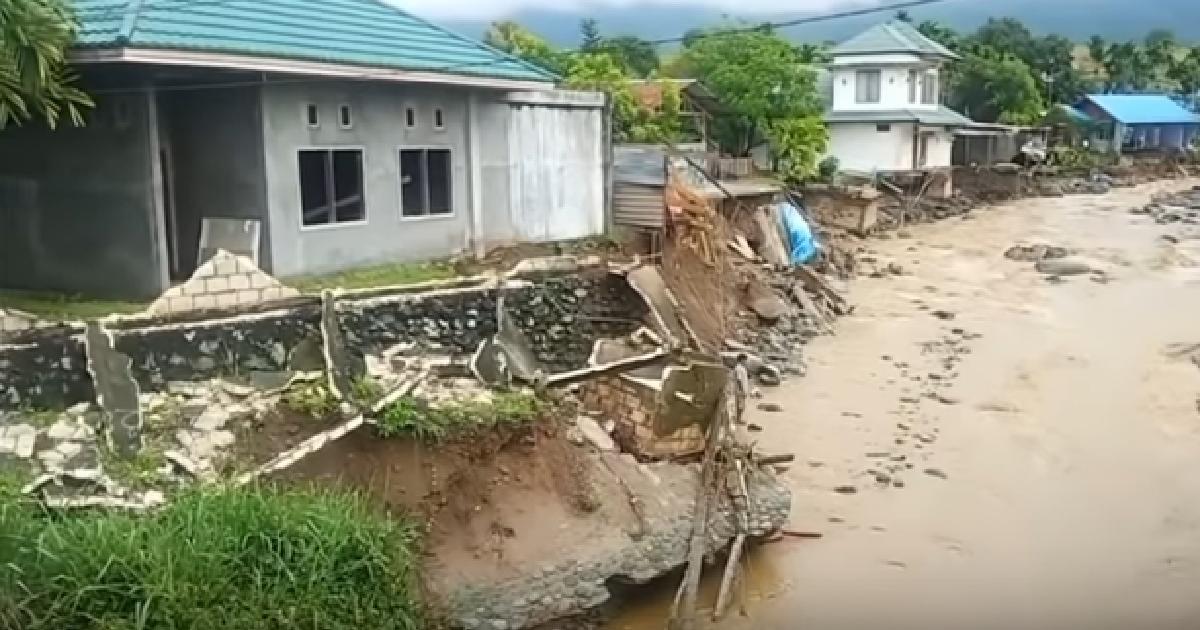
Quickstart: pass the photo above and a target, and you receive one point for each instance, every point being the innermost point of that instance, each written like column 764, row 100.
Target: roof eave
column 234, row 61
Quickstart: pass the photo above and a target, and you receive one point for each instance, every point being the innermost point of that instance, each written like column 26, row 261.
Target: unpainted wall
column 213, row 138
column 379, row 129
column 77, row 205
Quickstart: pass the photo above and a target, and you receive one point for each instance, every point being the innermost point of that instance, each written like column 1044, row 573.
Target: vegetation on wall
column 35, row 80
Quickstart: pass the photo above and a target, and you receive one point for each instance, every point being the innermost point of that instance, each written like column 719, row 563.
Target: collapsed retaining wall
column 562, row 315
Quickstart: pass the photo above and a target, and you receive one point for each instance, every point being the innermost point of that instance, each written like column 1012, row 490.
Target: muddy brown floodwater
column 1029, row 459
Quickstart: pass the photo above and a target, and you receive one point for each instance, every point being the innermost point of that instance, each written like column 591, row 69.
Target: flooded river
column 1025, row 454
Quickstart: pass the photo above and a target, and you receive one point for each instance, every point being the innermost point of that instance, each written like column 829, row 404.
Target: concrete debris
column 116, row 390
column 342, row 366
column 595, row 434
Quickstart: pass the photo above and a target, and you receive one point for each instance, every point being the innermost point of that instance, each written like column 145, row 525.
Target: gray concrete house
column 349, row 132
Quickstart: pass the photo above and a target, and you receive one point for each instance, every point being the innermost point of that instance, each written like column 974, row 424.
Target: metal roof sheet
column 941, row 116
column 896, row 36
column 1141, row 109
column 351, row 32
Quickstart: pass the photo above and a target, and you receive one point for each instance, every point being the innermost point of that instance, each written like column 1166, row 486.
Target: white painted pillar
column 475, row 176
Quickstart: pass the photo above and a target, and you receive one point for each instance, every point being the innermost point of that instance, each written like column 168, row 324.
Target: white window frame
column 349, row 111
column 858, row 84
column 400, row 183
column 300, row 188
column 930, row 87
column 304, row 107
column 439, row 112
column 413, row 121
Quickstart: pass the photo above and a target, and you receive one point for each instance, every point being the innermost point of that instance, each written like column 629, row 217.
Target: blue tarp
column 802, row 245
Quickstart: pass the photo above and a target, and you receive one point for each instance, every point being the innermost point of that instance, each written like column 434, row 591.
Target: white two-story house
column 884, row 107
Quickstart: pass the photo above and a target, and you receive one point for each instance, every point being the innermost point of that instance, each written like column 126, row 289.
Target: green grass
column 379, row 276
column 311, row 399
column 222, row 558
column 64, row 306
column 415, row 417
column 142, row 472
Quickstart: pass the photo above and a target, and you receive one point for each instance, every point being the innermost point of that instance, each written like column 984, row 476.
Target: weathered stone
column 213, row 418
column 935, row 472
column 24, row 446
column 1064, row 267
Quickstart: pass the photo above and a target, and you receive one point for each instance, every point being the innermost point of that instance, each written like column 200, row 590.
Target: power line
column 899, row 6
column 908, row 4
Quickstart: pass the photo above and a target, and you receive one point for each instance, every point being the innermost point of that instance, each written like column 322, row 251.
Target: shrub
column 311, row 399
column 426, row 422
column 235, row 559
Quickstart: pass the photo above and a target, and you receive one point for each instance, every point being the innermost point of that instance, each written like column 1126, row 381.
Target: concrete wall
column 78, row 207
column 378, row 129
column 214, row 140
column 893, row 89
column 862, row 147
column 939, row 149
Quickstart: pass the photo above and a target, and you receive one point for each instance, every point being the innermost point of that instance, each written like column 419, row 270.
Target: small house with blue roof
column 346, row 132
column 1139, row 122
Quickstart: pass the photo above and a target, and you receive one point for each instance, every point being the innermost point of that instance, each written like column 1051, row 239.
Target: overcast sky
column 497, row 8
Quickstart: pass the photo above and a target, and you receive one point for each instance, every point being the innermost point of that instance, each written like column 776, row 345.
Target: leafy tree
column 1186, row 72
column 35, row 78
column 521, row 42
column 632, row 122
column 990, row 86
column 768, row 92
column 904, row 16
column 942, row 34
column 591, row 34
column 637, row 55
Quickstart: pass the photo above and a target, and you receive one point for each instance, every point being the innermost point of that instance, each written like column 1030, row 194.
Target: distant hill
column 1077, row 19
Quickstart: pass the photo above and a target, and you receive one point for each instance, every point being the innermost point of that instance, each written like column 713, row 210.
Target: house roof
column 943, row 116
column 896, row 36
column 1140, row 109
column 357, row 33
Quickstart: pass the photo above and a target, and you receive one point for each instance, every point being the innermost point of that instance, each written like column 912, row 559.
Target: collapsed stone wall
column 562, row 315
column 987, row 184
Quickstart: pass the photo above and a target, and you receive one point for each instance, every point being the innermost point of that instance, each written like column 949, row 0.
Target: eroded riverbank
column 1051, row 483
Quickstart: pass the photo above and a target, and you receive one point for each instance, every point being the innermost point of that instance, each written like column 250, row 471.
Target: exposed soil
column 494, row 504
column 277, row 432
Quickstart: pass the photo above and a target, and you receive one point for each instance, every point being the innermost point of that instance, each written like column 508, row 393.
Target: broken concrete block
column 593, row 433
column 116, row 390
column 342, row 367
column 211, row 419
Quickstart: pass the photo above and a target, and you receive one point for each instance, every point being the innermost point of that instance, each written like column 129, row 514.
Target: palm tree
column 35, row 78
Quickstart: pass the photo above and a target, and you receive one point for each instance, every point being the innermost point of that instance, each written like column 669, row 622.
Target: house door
column 923, row 150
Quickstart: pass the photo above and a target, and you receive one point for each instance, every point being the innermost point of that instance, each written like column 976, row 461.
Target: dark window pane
column 314, row 187
column 348, row 186
column 313, row 118
column 412, row 182
column 344, row 112
column 439, row 120
column 439, row 181
column 410, row 117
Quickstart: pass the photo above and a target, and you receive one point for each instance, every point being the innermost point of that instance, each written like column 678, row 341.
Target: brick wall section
column 634, row 408
column 225, row 281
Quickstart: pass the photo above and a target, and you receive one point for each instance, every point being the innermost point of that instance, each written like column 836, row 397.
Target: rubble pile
column 896, row 212
column 1168, row 208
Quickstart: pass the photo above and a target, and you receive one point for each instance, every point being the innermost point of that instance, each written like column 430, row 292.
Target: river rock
column 1064, row 266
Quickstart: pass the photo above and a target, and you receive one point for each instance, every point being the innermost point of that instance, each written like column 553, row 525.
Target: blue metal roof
column 351, row 32
column 1143, row 109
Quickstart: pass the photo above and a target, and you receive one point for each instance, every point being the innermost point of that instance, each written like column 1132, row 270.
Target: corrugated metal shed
column 367, row 33
column 941, row 116
column 638, row 205
column 1143, row 109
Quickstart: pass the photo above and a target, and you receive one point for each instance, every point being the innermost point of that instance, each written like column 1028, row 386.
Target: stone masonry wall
column 561, row 315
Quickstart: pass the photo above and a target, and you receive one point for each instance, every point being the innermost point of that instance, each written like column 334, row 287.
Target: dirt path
column 1055, row 482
